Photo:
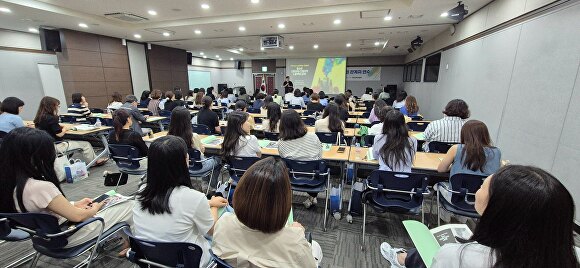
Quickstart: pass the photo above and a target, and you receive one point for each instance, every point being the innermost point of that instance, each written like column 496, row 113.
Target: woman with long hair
column 123, row 134
column 340, row 100
column 47, row 119
column 198, row 97
column 411, row 108
column 264, row 108
column 144, row 101
column 394, row 148
column 243, row 95
column 237, row 139
column 527, row 220
column 258, row 234
column 296, row 143
column 330, row 121
column 169, row 209
column 28, row 183
column 180, row 126
column 271, row 122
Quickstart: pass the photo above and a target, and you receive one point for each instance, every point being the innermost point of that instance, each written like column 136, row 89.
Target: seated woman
column 223, row 99
column 10, row 109
column 145, row 99
column 448, row 128
column 271, row 122
column 168, row 209
column 29, row 184
column 330, row 121
column 368, row 96
column 122, row 133
column 259, row 101
column 400, row 100
column 297, row 99
column 314, row 104
column 264, row 108
column 244, row 95
column 411, row 108
column 377, row 129
column 342, row 106
column 243, row 107
column 377, row 107
column 258, row 235
column 323, row 98
column 116, row 102
column 297, row 143
column 47, row 119
column 394, row 149
column 153, row 105
column 237, row 139
column 180, row 126
column 524, row 210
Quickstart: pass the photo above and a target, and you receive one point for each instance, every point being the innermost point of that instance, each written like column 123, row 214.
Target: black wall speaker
column 50, row 40
column 239, row 65
column 189, row 58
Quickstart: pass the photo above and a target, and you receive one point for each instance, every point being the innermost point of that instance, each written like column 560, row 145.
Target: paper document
column 268, row 144
column 212, row 140
column 428, row 241
column 113, row 198
column 419, row 136
column 326, row 146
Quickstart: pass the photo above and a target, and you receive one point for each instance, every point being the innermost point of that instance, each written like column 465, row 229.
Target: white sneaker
column 390, row 254
column 314, row 200
column 307, row 203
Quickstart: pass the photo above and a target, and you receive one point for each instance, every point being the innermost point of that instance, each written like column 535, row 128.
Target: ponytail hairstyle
column 120, row 118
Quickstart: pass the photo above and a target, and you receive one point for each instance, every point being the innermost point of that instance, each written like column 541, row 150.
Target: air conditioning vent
column 126, row 17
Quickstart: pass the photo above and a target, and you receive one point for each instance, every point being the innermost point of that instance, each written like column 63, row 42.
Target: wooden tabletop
column 360, row 121
column 425, row 161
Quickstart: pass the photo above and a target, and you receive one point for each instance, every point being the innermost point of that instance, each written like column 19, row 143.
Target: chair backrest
column 194, row 159
column 272, row 136
column 40, row 226
column 5, row 228
column 398, row 186
column 68, row 119
column 440, row 147
column 97, row 110
column 163, row 254
column 254, row 111
column 417, row 126
column 328, row 137
column 465, row 184
column 125, row 156
column 296, row 107
column 369, row 140
column 416, row 118
column 238, row 165
column 309, row 112
column 309, row 121
column 366, row 114
column 219, row 262
column 3, row 134
column 310, row 173
column 201, row 129
column 165, row 113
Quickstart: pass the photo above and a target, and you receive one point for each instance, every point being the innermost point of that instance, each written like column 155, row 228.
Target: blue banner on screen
column 322, row 74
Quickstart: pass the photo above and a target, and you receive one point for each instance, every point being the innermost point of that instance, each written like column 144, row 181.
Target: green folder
column 419, row 136
column 326, row 146
column 208, row 139
column 423, row 240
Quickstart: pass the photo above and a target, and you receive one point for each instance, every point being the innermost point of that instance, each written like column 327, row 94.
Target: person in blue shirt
column 323, row 99
column 410, row 108
column 9, row 118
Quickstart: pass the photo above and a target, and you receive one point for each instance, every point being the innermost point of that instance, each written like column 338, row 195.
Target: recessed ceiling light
column 315, row 46
column 242, row 28
column 217, row 56
column 231, row 58
column 348, row 44
column 255, row 1
column 377, row 43
column 444, row 14
column 166, row 34
column 5, row 10
column 83, row 25
column 281, row 26
column 262, row 48
column 290, row 47
column 205, row 6
column 220, row 59
column 205, row 57
column 241, row 49
column 197, row 32
column 201, row 53
column 152, row 12
column 33, row 30
column 137, row 36
column 337, row 21
column 388, row 18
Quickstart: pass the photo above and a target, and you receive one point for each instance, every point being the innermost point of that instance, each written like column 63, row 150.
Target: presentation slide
column 322, row 74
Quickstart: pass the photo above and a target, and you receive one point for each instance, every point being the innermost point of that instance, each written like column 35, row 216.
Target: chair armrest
column 77, row 227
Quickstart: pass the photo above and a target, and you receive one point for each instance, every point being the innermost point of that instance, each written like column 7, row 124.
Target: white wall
column 523, row 83
column 390, row 75
column 9, row 38
column 19, row 77
column 224, row 72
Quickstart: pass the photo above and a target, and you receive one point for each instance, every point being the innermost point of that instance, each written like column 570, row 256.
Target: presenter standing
column 288, row 85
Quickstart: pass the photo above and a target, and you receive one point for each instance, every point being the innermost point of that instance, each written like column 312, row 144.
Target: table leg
column 103, row 138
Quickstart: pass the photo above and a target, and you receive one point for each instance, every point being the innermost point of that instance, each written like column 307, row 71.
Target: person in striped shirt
column 79, row 107
column 448, row 128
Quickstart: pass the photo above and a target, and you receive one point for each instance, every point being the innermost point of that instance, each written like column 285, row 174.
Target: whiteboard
column 199, row 79
column 52, row 83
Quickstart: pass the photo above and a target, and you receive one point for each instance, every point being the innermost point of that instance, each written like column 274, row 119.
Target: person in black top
column 47, row 119
column 208, row 117
column 340, row 100
column 314, row 104
column 210, row 93
column 288, row 84
column 122, row 134
column 177, row 102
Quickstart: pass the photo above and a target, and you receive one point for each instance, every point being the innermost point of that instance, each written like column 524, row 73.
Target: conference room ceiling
column 330, row 24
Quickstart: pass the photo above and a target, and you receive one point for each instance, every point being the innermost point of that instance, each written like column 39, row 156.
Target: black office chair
column 201, row 129
column 127, row 159
column 309, row 112
column 309, row 121
column 295, row 107
column 271, row 136
column 369, row 140
column 329, row 137
column 3, row 134
column 440, row 147
column 462, row 188
column 97, row 110
column 417, row 126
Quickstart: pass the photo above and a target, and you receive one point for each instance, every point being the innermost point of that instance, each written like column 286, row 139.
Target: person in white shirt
column 400, row 100
column 289, row 94
column 297, row 99
column 527, row 220
column 169, row 209
column 377, row 129
column 394, row 149
column 116, row 103
column 237, row 138
column 368, row 96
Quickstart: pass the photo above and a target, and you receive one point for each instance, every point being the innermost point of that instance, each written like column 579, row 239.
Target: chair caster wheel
column 349, row 218
column 336, row 215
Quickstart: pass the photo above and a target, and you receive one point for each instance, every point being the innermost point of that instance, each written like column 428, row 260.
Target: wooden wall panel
column 95, row 66
column 168, row 68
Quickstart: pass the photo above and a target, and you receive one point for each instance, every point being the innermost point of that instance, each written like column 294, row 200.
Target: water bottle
column 98, row 123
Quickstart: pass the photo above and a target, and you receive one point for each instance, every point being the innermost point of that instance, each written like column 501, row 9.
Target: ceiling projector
column 458, row 12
